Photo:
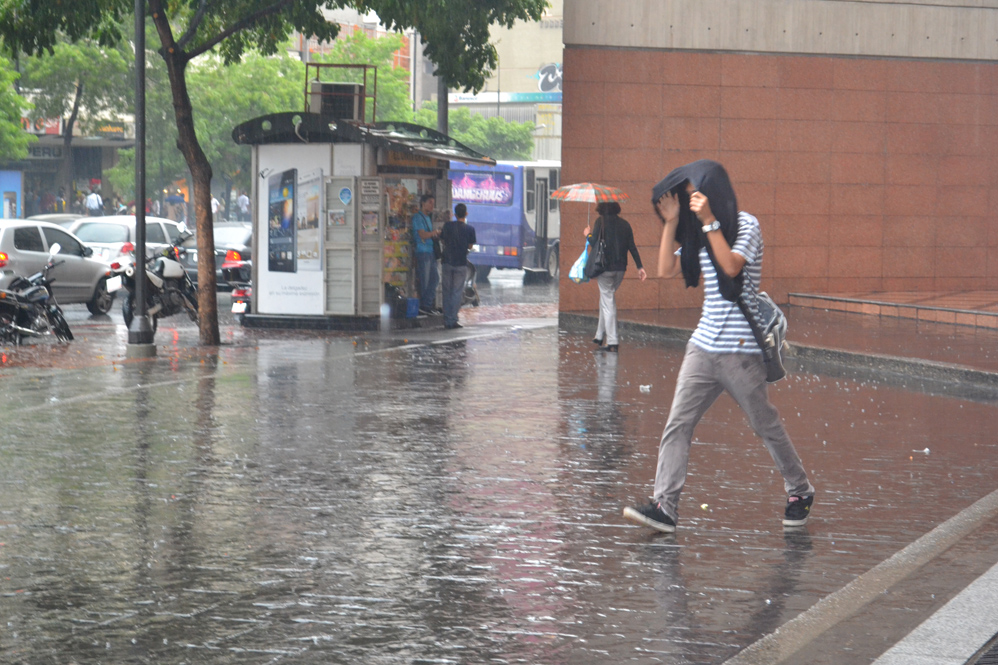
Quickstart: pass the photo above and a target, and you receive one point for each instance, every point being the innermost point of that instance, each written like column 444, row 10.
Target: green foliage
column 37, row 26
column 456, row 32
column 103, row 76
column 14, row 141
column 493, row 137
column 392, row 82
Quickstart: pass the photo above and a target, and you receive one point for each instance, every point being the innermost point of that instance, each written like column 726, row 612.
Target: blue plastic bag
column 578, row 272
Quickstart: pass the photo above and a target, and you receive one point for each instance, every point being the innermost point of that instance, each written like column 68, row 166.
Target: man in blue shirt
column 423, row 235
column 705, row 234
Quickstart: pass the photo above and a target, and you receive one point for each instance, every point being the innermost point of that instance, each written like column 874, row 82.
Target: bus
column 517, row 224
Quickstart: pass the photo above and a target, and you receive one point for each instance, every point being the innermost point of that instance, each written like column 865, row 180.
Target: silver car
column 79, row 278
column 114, row 236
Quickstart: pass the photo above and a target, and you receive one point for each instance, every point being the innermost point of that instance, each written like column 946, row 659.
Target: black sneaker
column 798, row 510
column 651, row 515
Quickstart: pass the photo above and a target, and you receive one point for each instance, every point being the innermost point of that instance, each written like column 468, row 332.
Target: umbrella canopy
column 589, row 192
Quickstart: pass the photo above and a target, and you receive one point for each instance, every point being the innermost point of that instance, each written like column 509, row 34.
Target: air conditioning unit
column 339, row 101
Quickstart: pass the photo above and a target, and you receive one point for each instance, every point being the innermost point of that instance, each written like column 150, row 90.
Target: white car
column 113, row 236
column 78, row 277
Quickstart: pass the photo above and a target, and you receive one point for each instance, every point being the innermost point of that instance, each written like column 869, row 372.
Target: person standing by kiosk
column 458, row 238
column 423, row 235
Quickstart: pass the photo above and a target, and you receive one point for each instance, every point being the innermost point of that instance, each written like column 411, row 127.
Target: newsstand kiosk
column 332, row 206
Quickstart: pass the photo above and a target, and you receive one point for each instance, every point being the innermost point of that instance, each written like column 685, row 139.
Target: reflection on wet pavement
column 308, row 500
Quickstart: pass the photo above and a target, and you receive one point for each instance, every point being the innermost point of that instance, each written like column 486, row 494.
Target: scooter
column 169, row 290
column 28, row 309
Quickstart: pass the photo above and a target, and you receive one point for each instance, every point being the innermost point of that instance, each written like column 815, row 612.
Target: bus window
column 529, row 187
column 553, row 184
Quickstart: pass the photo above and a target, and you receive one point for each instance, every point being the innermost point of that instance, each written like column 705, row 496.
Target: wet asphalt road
column 445, row 497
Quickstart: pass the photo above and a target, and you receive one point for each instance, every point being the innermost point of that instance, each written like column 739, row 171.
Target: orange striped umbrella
column 589, row 192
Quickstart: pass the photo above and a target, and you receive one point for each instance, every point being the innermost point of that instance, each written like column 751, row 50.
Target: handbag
column 438, row 252
column 596, row 265
column 578, row 272
column 770, row 332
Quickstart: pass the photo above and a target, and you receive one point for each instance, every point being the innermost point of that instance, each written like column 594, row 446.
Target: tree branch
column 192, row 28
column 237, row 26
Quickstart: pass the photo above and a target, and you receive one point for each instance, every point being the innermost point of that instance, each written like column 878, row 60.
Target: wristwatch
column 713, row 226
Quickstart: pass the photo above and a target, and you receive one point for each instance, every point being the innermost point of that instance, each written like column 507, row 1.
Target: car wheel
column 102, row 301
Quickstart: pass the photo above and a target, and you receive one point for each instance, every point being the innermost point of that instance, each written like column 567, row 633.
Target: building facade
column 863, row 135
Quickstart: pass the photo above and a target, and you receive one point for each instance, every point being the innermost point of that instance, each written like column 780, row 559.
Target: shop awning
column 403, row 137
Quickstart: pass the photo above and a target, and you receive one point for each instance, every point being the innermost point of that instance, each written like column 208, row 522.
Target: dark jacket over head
column 710, row 179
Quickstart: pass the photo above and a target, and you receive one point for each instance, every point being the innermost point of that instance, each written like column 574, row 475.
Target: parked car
column 63, row 219
column 233, row 244
column 78, row 277
column 114, row 236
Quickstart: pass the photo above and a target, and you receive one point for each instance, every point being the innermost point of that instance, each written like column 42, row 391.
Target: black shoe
column 798, row 510
column 452, row 326
column 651, row 515
column 427, row 311
column 599, row 342
column 613, row 348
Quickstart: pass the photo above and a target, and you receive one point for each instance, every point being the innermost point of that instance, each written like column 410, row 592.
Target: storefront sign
column 396, row 158
column 112, row 130
column 42, row 126
column 45, row 152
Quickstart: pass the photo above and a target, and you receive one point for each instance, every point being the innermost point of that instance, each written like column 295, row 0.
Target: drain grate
column 988, row 654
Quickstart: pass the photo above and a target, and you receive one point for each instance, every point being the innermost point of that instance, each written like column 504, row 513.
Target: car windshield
column 102, row 232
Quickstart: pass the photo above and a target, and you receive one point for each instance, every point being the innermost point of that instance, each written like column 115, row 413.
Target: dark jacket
column 619, row 240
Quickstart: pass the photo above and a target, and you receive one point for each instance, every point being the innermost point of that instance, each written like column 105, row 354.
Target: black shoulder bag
column 596, row 263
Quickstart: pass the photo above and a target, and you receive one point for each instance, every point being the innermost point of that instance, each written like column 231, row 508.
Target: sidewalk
column 455, row 496
column 853, row 339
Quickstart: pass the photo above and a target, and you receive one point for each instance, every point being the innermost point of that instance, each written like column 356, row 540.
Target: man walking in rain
column 704, row 233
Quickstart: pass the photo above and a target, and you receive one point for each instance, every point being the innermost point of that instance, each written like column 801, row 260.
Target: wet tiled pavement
column 453, row 497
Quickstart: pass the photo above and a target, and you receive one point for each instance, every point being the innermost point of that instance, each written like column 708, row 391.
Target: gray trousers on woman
column 702, row 377
column 608, row 283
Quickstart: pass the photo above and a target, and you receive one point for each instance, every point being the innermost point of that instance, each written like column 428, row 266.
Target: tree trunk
column 197, row 162
column 66, row 167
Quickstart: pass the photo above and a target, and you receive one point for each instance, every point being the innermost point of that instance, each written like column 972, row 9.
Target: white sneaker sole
column 795, row 522
column 635, row 516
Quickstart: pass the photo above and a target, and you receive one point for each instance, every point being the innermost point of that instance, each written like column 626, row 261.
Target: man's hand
column 701, row 208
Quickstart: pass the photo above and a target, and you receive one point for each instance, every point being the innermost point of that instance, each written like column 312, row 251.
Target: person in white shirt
column 95, row 204
column 243, row 204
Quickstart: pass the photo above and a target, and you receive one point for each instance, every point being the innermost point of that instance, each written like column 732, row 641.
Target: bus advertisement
column 516, row 222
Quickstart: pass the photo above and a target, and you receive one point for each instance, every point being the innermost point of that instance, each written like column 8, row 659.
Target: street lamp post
column 140, row 332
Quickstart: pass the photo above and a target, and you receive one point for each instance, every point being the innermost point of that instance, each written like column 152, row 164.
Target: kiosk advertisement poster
column 309, row 240
column 281, row 217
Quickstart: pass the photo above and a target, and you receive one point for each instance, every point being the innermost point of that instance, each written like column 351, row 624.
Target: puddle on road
column 303, row 502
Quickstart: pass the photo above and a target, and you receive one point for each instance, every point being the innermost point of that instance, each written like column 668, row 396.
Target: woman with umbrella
column 618, row 239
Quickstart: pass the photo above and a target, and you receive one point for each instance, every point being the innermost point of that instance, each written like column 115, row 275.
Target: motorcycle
column 169, row 290
column 28, row 309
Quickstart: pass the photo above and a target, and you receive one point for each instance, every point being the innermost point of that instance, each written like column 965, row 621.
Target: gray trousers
column 702, row 377
column 608, row 283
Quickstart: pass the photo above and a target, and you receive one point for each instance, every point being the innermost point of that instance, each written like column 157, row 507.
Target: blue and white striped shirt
column 722, row 327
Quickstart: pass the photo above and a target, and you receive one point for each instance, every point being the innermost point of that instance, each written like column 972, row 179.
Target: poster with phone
column 309, row 239
column 282, row 229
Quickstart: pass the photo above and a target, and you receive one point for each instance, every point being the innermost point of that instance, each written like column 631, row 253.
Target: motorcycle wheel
column 102, row 300
column 8, row 336
column 59, row 326
column 128, row 312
